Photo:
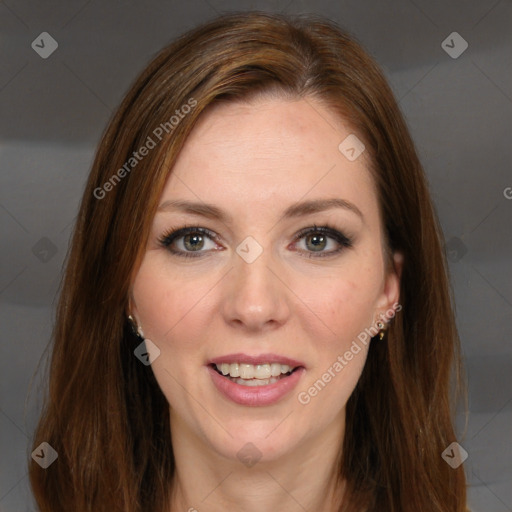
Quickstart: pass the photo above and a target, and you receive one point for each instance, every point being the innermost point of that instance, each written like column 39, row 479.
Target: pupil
column 318, row 238
column 196, row 238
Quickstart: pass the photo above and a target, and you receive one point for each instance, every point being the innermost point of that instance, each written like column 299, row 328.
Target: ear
column 390, row 296
column 132, row 311
column 131, row 308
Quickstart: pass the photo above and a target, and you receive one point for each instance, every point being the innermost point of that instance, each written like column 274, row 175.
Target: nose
column 257, row 296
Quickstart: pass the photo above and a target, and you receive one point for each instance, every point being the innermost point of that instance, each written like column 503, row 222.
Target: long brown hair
column 104, row 412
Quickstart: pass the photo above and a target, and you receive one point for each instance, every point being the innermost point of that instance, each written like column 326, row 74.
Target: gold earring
column 136, row 329
column 382, row 330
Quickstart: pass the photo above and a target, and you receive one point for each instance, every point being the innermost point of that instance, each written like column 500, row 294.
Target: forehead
column 269, row 152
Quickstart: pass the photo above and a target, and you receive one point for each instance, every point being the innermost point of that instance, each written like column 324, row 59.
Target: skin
column 254, row 160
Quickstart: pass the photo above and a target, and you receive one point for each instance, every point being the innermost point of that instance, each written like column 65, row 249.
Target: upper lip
column 256, row 359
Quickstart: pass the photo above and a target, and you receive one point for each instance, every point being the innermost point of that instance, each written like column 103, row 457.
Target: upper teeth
column 251, row 371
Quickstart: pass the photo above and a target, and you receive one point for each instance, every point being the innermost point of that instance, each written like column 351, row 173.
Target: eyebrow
column 296, row 210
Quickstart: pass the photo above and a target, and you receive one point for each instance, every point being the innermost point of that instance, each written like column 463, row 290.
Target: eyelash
column 176, row 233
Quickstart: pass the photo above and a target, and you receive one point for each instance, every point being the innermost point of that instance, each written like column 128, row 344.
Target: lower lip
column 258, row 395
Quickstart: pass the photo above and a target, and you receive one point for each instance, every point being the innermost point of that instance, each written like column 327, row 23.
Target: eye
column 317, row 239
column 189, row 239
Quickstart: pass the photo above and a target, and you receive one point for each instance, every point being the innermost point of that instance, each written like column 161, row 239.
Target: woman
column 256, row 312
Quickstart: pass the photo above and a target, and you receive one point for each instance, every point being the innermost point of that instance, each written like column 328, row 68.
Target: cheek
column 169, row 304
column 343, row 304
column 343, row 310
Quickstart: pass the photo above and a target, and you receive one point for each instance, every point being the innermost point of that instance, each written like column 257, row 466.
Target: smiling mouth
column 254, row 375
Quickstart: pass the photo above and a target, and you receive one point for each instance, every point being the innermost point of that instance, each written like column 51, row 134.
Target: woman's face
column 262, row 287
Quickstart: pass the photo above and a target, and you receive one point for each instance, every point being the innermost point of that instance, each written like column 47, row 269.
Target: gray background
column 54, row 110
